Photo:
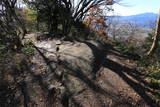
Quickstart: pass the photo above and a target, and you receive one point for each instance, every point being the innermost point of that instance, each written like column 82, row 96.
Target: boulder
column 57, row 72
column 65, row 66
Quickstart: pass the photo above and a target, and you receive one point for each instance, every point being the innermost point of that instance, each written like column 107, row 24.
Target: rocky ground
column 65, row 74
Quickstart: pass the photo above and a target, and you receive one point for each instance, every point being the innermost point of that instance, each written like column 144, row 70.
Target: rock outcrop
column 61, row 70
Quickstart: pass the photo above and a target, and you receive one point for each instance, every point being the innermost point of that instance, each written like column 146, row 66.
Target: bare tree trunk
column 156, row 37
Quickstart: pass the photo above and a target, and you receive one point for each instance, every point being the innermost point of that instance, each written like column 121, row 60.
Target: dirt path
column 116, row 84
column 118, row 76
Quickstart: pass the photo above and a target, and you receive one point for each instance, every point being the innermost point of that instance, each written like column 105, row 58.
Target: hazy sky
column 132, row 7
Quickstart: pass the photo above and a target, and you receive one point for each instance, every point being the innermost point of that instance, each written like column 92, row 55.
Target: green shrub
column 157, row 94
column 153, row 75
column 28, row 48
column 4, row 57
column 127, row 49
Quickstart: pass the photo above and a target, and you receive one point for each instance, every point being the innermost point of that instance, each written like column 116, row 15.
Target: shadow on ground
column 35, row 91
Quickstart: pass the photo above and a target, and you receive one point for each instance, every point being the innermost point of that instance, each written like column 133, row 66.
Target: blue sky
column 132, row 7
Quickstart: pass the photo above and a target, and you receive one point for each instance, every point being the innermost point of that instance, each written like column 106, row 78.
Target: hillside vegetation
column 62, row 53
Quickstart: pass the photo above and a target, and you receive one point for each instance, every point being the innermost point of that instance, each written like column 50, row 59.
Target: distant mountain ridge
column 142, row 20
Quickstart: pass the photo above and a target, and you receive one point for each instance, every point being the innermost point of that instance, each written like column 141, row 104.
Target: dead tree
column 156, row 37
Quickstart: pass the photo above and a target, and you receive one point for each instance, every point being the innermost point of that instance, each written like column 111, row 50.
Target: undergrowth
column 28, row 48
column 127, row 49
column 150, row 66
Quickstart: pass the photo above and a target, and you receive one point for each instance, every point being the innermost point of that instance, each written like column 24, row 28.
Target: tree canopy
column 64, row 12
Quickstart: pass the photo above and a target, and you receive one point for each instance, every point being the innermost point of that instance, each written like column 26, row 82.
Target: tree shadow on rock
column 99, row 53
column 78, row 74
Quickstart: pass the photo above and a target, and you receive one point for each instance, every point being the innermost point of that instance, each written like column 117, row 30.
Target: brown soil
column 117, row 84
